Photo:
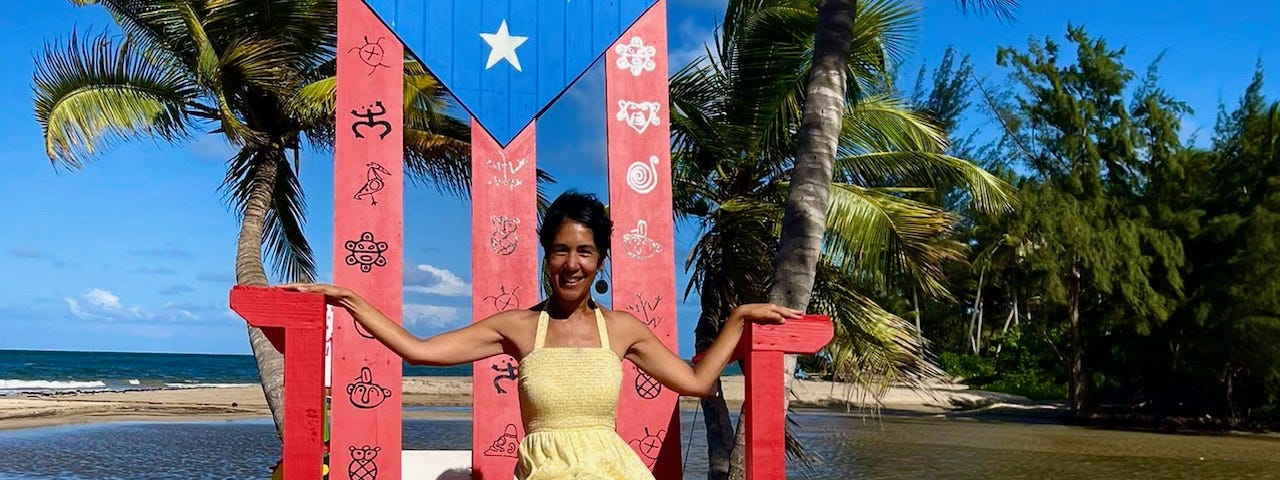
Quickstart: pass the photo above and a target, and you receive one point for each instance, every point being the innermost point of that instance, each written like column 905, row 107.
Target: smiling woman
column 569, row 348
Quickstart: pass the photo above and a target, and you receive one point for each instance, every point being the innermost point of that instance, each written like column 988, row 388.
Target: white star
column 503, row 47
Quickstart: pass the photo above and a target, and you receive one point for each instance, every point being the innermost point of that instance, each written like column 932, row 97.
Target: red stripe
column 504, row 256
column 643, row 258
column 368, row 244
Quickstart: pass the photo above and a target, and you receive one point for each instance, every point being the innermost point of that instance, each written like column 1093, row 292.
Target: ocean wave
column 14, row 386
column 49, row 384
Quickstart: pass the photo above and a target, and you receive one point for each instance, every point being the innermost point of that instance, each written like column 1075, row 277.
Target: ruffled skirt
column 578, row 454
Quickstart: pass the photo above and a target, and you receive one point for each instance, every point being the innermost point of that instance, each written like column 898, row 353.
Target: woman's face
column 573, row 261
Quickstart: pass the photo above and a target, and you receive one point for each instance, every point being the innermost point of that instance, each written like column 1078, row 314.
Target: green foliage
column 967, row 367
column 734, row 115
column 1020, row 368
column 1166, row 253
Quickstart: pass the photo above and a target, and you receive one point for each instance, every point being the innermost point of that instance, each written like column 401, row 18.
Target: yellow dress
column 568, row 398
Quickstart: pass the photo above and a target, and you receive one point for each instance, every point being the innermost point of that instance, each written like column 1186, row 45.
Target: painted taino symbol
column 369, row 115
column 373, row 182
column 638, row 115
column 366, row 252
column 505, row 445
column 646, row 310
column 362, row 466
column 643, row 177
column 371, row 53
column 509, row 372
column 503, row 240
column 507, row 169
column 504, row 300
column 646, row 386
column 360, row 329
column 637, row 243
column 364, row 393
column 636, row 56
column 649, row 446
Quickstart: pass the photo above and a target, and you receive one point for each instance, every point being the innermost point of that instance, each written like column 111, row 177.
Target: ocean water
column 844, row 447
column 28, row 371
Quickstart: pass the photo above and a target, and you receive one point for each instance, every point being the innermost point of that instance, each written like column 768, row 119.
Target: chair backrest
column 560, row 41
column 504, row 250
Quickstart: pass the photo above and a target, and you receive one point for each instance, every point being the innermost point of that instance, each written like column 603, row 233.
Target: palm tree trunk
column 804, row 221
column 1013, row 317
column 975, row 321
column 915, row 303
column 250, row 271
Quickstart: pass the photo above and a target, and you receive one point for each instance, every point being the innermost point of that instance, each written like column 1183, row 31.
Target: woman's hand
column 333, row 294
column 765, row 313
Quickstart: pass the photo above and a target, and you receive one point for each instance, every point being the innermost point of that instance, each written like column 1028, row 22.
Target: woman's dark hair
column 583, row 208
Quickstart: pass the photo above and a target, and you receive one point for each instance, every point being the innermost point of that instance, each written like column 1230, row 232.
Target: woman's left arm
column 651, row 355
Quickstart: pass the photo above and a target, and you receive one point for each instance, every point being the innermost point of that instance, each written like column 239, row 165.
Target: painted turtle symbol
column 371, row 53
column 649, row 446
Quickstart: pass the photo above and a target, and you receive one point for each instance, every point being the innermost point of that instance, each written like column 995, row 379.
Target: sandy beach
column 26, row 411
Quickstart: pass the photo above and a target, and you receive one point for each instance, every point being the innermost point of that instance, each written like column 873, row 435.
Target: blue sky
column 135, row 252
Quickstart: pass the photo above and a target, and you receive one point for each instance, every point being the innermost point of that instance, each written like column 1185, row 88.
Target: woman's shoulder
column 622, row 319
column 509, row 318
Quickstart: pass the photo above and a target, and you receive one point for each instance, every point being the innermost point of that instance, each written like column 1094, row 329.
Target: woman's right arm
column 468, row 344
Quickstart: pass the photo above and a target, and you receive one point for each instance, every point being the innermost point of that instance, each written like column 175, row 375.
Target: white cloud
column 435, row 281
column 74, row 306
column 432, row 316
column 99, row 304
column 102, row 299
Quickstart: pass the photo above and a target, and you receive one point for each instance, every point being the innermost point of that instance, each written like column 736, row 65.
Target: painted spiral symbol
column 643, row 177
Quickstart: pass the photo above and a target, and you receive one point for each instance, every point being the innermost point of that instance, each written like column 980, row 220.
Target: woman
column 570, row 351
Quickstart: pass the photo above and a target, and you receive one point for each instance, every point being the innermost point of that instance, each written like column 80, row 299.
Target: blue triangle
column 562, row 39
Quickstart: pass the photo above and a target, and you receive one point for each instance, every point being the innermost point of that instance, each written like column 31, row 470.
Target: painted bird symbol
column 374, row 183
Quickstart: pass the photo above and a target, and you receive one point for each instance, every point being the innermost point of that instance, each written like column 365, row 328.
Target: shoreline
column 235, row 403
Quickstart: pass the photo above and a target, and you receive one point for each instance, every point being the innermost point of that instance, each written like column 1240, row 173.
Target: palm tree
column 737, row 128
column 257, row 72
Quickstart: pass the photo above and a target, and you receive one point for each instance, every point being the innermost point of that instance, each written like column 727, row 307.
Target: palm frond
column 208, row 74
column 439, row 160
column 732, row 258
column 286, row 245
column 262, row 63
column 881, row 239
column 1002, row 9
column 872, row 347
column 883, row 123
column 155, row 25
column 284, row 238
column 987, row 192
column 307, row 26
column 771, row 56
column 88, row 95
column 314, row 105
